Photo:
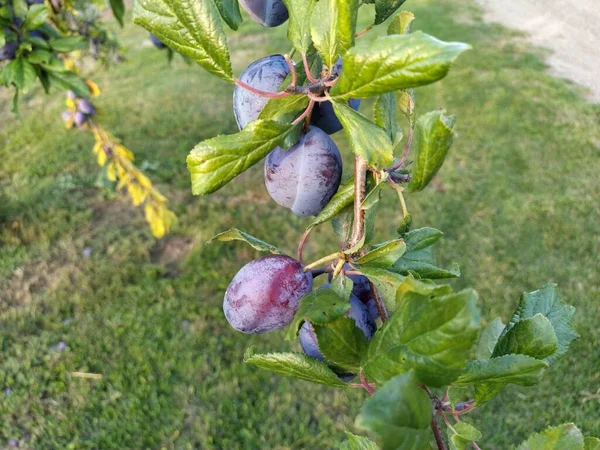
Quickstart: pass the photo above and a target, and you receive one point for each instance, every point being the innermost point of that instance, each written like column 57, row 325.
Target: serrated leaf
column 401, row 23
column 68, row 44
column 296, row 365
column 563, row 437
column 384, row 255
column 237, row 235
column 392, row 63
column 300, row 20
column 36, row 16
column 190, row 27
column 421, row 238
column 432, row 335
column 284, row 109
column 354, row 442
column 21, row 73
column 342, row 286
column 591, row 443
column 230, row 12
column 490, row 375
column 533, row 337
column 386, row 283
column 385, row 8
column 366, row 139
column 319, row 307
column 118, row 10
column 399, row 413
column 342, row 343
column 385, row 114
column 216, row 161
column 462, row 435
column 489, row 338
column 333, row 25
column 422, row 264
column 547, row 302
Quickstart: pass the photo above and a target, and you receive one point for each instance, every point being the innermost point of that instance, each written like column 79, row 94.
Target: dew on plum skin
column 267, row 74
column 305, row 177
column 268, row 13
column 264, row 295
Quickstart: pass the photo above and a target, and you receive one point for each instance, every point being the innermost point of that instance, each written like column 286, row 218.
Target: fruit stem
column 292, row 70
column 323, row 260
column 309, row 75
column 379, row 302
column 406, row 149
column 360, row 181
column 302, row 243
column 306, row 112
column 249, row 88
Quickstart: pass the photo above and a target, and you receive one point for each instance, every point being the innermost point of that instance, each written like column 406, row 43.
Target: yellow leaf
column 98, row 147
column 101, row 157
column 121, row 171
column 93, row 87
column 144, row 180
column 71, row 105
column 124, row 181
column 124, row 152
column 137, row 194
column 111, row 172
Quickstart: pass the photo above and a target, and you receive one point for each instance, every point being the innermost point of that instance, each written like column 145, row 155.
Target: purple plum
column 157, row 42
column 86, row 107
column 66, row 116
column 264, row 295
column 266, row 75
column 305, row 177
column 8, row 51
column 71, row 95
column 268, row 13
column 324, row 117
column 362, row 290
column 79, row 118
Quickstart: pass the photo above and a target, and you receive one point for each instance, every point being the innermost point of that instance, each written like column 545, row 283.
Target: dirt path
column 570, row 28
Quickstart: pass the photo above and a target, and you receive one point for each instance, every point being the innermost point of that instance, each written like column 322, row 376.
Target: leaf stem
column 307, row 71
column 368, row 386
column 323, row 260
column 249, row 88
column 306, row 112
column 409, row 139
column 363, row 31
column 292, row 70
column 302, row 243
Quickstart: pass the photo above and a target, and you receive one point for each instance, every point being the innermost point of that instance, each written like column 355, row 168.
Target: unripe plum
column 8, row 51
column 324, row 117
column 268, row 13
column 267, row 75
column 264, row 295
column 86, row 107
column 305, row 177
column 157, row 42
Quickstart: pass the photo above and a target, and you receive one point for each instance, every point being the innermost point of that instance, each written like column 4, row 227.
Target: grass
column 517, row 200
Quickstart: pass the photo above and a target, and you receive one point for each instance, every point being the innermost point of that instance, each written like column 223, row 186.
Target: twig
column 437, row 432
column 93, row 376
column 361, row 32
column 360, row 181
column 379, row 302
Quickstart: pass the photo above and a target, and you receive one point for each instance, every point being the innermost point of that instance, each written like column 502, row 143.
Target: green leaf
column 39, row 57
column 319, row 307
column 19, row 7
column 422, row 263
column 118, row 9
column 385, row 8
column 400, row 414
column 406, row 105
column 421, row 238
column 490, row 375
column 386, row 282
column 533, row 337
column 401, row 23
column 21, row 73
column 433, row 139
column 384, row 255
column 547, row 302
column 284, row 109
column 230, row 12
column 391, row 63
column 489, row 338
column 190, row 27
column 36, row 16
column 385, row 114
column 343, row 198
column 428, row 333
column 465, row 435
column 68, row 44
column 299, row 27
column 333, row 25
column 342, row 343
column 355, row 442
column 366, row 139
column 296, row 365
column 216, row 161
column 237, row 235
column 591, row 443
column 69, row 81
column 342, row 286
column 563, row 437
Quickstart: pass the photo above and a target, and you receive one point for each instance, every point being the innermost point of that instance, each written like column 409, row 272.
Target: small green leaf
column 118, row 10
column 20, row 73
column 68, row 44
column 563, row 437
column 319, row 307
column 354, row 442
column 430, row 334
column 296, row 365
column 385, row 114
column 333, row 25
column 343, row 198
column 36, row 16
column 342, row 343
column 342, row 286
column 533, row 337
column 385, row 8
column 401, row 23
column 216, row 161
column 299, row 27
column 237, row 235
column 489, row 338
column 591, row 443
column 39, row 57
column 190, row 27
column 490, row 375
column 433, row 139
column 406, row 104
column 386, row 282
column 366, row 139
column 391, row 63
column 399, row 413
column 421, row 238
column 284, row 109
column 230, row 12
column 383, row 255
column 462, row 435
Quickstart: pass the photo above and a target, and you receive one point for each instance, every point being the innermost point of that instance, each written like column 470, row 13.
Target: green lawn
column 517, row 199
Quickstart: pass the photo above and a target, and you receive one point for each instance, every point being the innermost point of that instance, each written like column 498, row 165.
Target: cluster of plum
column 84, row 110
column 265, row 294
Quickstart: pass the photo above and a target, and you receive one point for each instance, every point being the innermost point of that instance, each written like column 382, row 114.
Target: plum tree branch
column 437, row 432
column 360, row 182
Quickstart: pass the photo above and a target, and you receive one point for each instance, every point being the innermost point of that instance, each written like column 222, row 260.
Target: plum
column 324, row 117
column 66, row 116
column 86, row 107
column 157, row 42
column 362, row 290
column 358, row 312
column 266, row 75
column 305, row 177
column 264, row 295
column 79, row 118
column 71, row 95
column 8, row 51
column 268, row 13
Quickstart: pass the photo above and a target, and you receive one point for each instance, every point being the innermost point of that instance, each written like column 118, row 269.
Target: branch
column 360, row 180
column 439, row 438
